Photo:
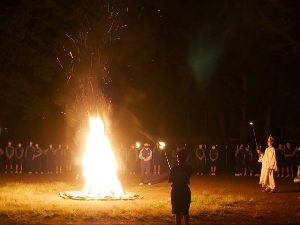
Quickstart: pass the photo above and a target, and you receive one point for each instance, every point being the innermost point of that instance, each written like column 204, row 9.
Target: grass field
column 223, row 199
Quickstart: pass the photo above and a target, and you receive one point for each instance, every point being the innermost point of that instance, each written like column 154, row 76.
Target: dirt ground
column 282, row 207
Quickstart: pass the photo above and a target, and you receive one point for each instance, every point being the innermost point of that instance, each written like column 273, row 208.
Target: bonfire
column 99, row 168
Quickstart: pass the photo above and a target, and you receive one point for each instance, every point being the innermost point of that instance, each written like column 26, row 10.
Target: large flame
column 99, row 166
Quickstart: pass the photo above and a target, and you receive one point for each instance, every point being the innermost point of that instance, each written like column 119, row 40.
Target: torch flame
column 99, row 166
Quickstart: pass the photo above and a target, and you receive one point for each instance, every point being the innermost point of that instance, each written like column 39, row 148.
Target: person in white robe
column 268, row 160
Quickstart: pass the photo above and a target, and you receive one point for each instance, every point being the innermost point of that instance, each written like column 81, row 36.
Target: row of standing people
column 246, row 162
column 34, row 159
column 128, row 159
column 287, row 160
column 201, row 157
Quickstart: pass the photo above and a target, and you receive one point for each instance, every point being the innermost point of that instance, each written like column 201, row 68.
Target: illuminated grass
column 40, row 202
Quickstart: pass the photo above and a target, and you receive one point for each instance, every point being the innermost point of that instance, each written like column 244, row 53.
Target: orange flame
column 99, row 165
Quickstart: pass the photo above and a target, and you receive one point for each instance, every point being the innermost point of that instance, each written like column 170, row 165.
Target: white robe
column 268, row 160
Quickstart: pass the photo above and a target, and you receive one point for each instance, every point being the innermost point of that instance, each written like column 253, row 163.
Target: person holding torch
column 268, row 160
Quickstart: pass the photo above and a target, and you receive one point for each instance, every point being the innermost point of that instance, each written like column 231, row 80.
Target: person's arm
column 260, row 154
column 203, row 154
column 22, row 153
column 217, row 155
column 196, row 153
column 149, row 157
column 26, row 153
column 140, row 154
column 272, row 160
column 40, row 152
column 287, row 155
column 6, row 153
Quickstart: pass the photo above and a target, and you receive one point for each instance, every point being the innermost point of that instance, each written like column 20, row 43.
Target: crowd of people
column 145, row 157
column 287, row 160
column 34, row 159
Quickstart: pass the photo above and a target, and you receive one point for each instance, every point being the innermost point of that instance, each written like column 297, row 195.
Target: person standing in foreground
column 29, row 153
column 10, row 152
column 239, row 156
column 1, row 159
column 132, row 158
column 280, row 160
column 200, row 157
column 181, row 194
column 68, row 158
column 213, row 156
column 145, row 156
column 19, row 153
column 37, row 156
column 289, row 160
column 157, row 154
column 268, row 160
column 59, row 152
column 50, row 159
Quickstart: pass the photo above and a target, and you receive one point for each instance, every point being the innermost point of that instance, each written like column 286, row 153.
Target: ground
column 282, row 207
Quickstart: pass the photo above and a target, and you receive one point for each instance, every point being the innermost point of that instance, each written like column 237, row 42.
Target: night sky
column 173, row 70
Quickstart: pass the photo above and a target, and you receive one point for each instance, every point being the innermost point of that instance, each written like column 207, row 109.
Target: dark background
column 182, row 71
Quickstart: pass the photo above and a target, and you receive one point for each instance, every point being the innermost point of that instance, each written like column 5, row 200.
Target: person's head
column 50, row 146
column 30, row 143
column 213, row 147
column 19, row 145
column 270, row 141
column 146, row 145
column 9, row 143
column 280, row 146
column 182, row 155
column 241, row 146
column 200, row 145
column 288, row 144
column 36, row 145
column 247, row 148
